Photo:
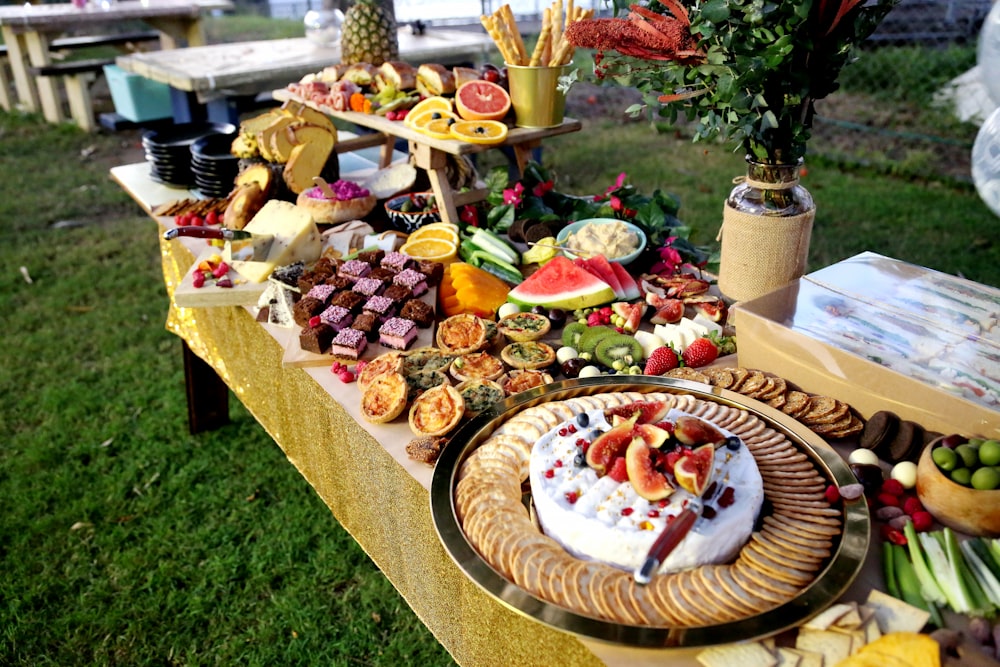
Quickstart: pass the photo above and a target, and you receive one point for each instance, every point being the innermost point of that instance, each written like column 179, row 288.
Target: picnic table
column 209, row 82
column 29, row 30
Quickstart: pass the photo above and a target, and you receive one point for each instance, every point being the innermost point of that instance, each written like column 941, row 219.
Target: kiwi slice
column 617, row 347
column 571, row 334
column 592, row 336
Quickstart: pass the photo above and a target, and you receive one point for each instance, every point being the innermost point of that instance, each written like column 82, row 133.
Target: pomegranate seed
column 627, row 511
column 562, row 432
column 728, row 497
column 550, row 473
column 581, row 442
column 663, row 503
column 571, row 428
column 571, row 497
column 652, row 514
column 558, row 463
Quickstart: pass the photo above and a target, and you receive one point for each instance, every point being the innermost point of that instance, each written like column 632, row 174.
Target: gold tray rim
column 842, row 569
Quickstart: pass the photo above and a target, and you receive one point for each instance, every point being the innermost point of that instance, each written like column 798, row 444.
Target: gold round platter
column 834, row 577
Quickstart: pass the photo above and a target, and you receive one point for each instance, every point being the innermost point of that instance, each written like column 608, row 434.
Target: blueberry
column 579, row 461
column 583, row 419
column 733, row 443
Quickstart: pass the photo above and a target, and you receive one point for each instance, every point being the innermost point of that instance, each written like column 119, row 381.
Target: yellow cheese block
column 296, row 238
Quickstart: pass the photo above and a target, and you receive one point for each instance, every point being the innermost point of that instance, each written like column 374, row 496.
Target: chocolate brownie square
column 382, row 274
column 367, row 323
column 316, row 339
column 419, row 311
column 433, row 270
column 305, row 309
column 338, row 282
column 372, row 258
column 352, row 301
column 398, row 293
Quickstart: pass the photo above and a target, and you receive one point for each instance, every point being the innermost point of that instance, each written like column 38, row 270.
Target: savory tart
column 390, row 362
column 436, row 411
column 523, row 380
column 385, row 398
column 426, row 359
column 521, row 327
column 479, row 394
column 479, row 365
column 529, row 354
column 420, row 382
column 461, row 334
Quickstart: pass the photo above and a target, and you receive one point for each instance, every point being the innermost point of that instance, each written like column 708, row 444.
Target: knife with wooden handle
column 668, row 540
column 240, row 245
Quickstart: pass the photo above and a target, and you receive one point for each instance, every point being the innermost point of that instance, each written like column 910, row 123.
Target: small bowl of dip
column 617, row 240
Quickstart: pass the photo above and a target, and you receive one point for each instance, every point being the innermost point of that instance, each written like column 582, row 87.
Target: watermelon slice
column 607, row 274
column 594, row 270
column 630, row 288
column 561, row 284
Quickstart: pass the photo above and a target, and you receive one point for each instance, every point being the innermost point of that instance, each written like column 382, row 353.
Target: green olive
column 961, row 476
column 946, row 459
column 969, row 455
column 985, row 479
column 989, row 453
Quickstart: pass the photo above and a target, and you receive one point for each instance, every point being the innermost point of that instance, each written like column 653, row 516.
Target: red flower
column 513, row 195
column 540, row 189
column 616, row 204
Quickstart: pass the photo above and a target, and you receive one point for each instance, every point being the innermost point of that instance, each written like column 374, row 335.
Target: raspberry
column 912, row 505
column 198, row 279
column 700, row 353
column 662, row 359
column 893, row 486
column 922, row 521
column 618, row 471
column 571, row 497
column 594, row 319
column 314, row 321
column 832, row 494
column 887, row 499
column 346, row 376
column 220, row 270
column 358, row 367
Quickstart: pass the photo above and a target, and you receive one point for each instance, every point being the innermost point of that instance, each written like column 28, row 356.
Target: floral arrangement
column 748, row 71
column 535, row 197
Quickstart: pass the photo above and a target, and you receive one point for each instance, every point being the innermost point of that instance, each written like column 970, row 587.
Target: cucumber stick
column 889, row 570
column 494, row 244
column 928, row 585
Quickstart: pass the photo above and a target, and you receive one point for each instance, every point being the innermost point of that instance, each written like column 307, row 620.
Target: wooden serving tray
column 242, row 293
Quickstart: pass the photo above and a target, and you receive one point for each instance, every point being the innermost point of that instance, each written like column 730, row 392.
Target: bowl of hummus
column 617, row 240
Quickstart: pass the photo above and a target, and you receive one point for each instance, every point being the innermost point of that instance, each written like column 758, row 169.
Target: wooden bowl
column 959, row 507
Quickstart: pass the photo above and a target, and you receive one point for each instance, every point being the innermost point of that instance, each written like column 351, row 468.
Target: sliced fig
column 646, row 480
column 634, row 319
column 694, row 469
column 692, row 431
column 692, row 287
column 670, row 312
column 609, row 445
column 649, row 412
column 652, row 435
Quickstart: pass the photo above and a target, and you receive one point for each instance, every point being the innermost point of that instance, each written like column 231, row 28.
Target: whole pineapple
column 368, row 35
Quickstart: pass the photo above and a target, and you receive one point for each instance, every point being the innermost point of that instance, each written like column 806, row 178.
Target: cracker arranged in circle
column 719, row 377
column 385, row 399
column 688, row 373
column 436, row 411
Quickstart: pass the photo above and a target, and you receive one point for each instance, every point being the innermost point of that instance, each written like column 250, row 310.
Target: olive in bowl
column 409, row 212
column 945, row 485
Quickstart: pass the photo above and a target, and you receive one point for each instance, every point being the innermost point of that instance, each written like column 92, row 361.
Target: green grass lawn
column 126, row 541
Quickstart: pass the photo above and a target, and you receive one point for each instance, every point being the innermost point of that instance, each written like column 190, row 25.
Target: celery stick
column 951, row 583
column 909, row 585
column 977, row 598
column 889, row 570
column 994, row 548
column 928, row 585
column 979, row 545
column 986, row 579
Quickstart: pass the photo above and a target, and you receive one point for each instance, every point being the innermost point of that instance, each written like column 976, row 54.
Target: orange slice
column 479, row 131
column 438, row 128
column 442, row 233
column 436, row 103
column 435, row 250
column 420, row 120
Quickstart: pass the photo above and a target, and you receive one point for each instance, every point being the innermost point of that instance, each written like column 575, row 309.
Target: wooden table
column 28, row 30
column 209, row 80
column 361, row 469
column 432, row 154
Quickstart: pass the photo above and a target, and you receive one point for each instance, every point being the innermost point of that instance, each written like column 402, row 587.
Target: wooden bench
column 79, row 75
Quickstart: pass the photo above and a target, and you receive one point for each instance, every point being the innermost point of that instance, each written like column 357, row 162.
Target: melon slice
column 630, row 288
column 607, row 274
column 595, row 271
column 561, row 284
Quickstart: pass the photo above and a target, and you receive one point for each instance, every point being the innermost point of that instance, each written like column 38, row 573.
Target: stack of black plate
column 213, row 165
column 169, row 150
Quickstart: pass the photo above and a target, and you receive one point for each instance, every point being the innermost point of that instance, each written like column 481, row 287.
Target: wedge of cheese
column 296, row 238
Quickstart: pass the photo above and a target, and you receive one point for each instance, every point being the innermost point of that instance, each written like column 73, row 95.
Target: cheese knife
column 240, row 245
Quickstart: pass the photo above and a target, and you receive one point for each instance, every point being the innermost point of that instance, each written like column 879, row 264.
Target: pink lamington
column 416, row 281
column 322, row 292
column 369, row 286
column 354, row 269
column 396, row 261
column 337, row 317
column 397, row 333
column 380, row 306
column 348, row 343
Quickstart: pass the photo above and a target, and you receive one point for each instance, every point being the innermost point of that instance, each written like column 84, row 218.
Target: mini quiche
column 522, row 327
column 390, row 362
column 436, row 411
column 529, row 354
column 460, row 334
column 384, row 399
column 523, row 380
column 425, row 359
column 479, row 394
column 478, row 365
column 420, row 382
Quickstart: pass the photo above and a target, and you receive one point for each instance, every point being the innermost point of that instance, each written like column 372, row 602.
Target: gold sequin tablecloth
column 361, row 482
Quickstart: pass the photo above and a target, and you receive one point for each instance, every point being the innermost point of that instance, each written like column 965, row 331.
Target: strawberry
column 700, row 353
column 662, row 359
column 618, row 471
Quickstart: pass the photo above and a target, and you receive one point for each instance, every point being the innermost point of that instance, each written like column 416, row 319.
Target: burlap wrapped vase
column 766, row 226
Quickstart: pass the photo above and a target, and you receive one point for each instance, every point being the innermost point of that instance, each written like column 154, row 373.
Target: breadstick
column 557, row 20
column 493, row 28
column 543, row 39
column 511, row 23
column 570, row 14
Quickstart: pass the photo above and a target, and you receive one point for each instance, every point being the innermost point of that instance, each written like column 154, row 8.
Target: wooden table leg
column 207, row 394
column 48, row 92
column 435, row 162
column 17, row 54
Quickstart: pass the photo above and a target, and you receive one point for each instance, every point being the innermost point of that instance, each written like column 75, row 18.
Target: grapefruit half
column 482, row 100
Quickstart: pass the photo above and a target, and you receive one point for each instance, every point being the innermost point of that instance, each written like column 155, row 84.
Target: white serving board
column 242, row 293
column 296, row 356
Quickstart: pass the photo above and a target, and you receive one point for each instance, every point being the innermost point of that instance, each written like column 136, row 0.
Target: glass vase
column 766, row 227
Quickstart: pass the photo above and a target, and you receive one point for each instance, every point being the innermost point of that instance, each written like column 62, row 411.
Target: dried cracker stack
column 826, row 416
column 552, row 48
